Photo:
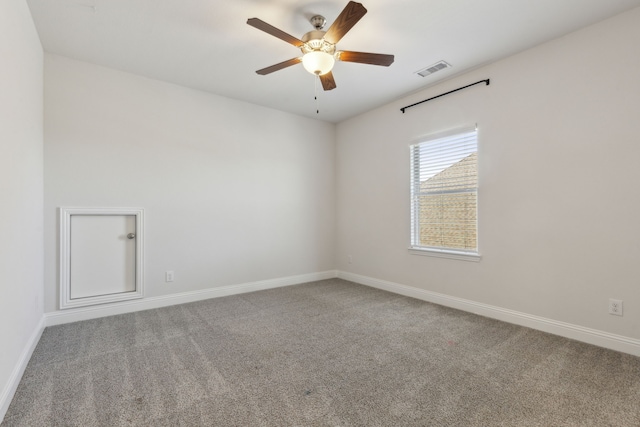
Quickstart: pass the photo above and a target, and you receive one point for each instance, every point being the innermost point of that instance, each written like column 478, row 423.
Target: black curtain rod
column 443, row 94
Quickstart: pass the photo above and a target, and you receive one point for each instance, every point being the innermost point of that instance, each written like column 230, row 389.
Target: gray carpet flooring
column 327, row 353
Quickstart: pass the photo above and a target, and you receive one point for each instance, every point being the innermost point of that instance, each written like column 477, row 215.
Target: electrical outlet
column 349, row 259
column 168, row 276
column 615, row 307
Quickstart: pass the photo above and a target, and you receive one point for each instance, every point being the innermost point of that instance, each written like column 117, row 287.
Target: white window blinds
column 444, row 184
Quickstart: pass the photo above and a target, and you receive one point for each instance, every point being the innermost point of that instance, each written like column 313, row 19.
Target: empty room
column 319, row 213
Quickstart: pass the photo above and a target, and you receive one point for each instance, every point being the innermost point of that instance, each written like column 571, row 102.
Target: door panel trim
column 65, row 257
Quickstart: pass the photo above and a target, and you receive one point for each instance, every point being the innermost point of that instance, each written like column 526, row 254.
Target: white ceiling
column 207, row 45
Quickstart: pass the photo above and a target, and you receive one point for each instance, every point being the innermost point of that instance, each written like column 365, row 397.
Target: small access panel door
column 101, row 255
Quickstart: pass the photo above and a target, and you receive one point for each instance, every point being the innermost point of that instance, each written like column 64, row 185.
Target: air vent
column 433, row 68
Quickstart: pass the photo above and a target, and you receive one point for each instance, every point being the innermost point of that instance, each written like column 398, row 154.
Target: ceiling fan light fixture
column 318, row 47
column 318, row 62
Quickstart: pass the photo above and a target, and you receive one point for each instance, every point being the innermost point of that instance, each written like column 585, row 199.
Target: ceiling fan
column 319, row 47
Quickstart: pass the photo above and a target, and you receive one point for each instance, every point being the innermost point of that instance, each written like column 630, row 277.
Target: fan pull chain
column 315, row 95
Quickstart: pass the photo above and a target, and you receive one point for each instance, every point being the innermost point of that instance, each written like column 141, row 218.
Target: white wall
column 20, row 190
column 559, row 206
column 233, row 192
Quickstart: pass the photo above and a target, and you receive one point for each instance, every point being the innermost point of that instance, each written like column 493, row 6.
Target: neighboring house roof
column 457, row 176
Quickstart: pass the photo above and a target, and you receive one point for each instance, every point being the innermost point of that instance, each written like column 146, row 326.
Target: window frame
column 440, row 252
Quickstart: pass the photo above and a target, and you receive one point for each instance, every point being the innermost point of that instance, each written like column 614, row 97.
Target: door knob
column 131, row 236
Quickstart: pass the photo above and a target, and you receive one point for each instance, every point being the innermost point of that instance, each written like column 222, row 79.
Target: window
column 444, row 188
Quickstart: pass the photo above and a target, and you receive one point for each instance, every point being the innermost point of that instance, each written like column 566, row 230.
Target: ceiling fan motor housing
column 314, row 41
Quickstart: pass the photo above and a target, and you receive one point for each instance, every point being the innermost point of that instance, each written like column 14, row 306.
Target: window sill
column 444, row 253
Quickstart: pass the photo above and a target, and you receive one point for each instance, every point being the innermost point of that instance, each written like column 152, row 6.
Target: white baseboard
column 567, row 330
column 93, row 312
column 14, row 380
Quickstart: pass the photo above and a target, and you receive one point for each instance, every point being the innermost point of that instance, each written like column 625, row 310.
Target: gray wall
column 233, row 193
column 559, row 205
column 20, row 190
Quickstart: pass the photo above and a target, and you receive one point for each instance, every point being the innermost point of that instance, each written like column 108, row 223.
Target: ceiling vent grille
column 441, row 65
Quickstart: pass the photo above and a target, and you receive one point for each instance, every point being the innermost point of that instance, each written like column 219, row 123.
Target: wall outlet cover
column 615, row 307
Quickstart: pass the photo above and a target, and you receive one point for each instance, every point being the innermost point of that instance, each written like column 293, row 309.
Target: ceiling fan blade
column 279, row 66
column 270, row 29
column 345, row 21
column 366, row 58
column 328, row 82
